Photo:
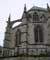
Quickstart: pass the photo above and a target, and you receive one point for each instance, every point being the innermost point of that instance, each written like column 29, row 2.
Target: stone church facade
column 30, row 40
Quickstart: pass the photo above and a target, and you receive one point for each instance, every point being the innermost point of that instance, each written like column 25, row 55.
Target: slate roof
column 35, row 8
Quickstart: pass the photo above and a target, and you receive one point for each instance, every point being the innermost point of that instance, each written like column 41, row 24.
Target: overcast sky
column 15, row 8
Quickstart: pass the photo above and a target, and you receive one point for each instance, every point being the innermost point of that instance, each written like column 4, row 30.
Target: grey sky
column 15, row 7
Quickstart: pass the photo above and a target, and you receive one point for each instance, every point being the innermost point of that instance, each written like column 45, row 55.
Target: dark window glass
column 38, row 34
column 35, row 17
column 41, row 35
column 43, row 17
column 18, row 37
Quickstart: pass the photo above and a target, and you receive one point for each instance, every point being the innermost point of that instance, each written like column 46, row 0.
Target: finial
column 47, row 6
column 24, row 8
column 9, row 18
column 9, row 21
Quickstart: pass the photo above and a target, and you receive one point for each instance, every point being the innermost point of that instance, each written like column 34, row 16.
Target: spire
column 9, row 18
column 47, row 7
column 24, row 12
column 9, row 21
column 24, row 8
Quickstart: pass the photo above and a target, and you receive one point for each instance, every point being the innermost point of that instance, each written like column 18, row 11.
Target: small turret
column 9, row 18
column 48, row 8
column 8, row 33
column 24, row 12
column 25, row 8
column 9, row 22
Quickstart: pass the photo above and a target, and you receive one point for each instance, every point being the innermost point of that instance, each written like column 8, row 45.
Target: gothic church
column 30, row 40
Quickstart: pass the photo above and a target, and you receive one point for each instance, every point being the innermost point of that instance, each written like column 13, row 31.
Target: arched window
column 35, row 17
column 43, row 17
column 18, row 37
column 38, row 34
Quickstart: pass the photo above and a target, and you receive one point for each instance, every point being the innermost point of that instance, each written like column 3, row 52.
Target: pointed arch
column 35, row 17
column 43, row 17
column 38, row 32
column 18, row 37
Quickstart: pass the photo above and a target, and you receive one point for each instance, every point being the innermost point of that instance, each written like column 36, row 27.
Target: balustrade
column 18, row 51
